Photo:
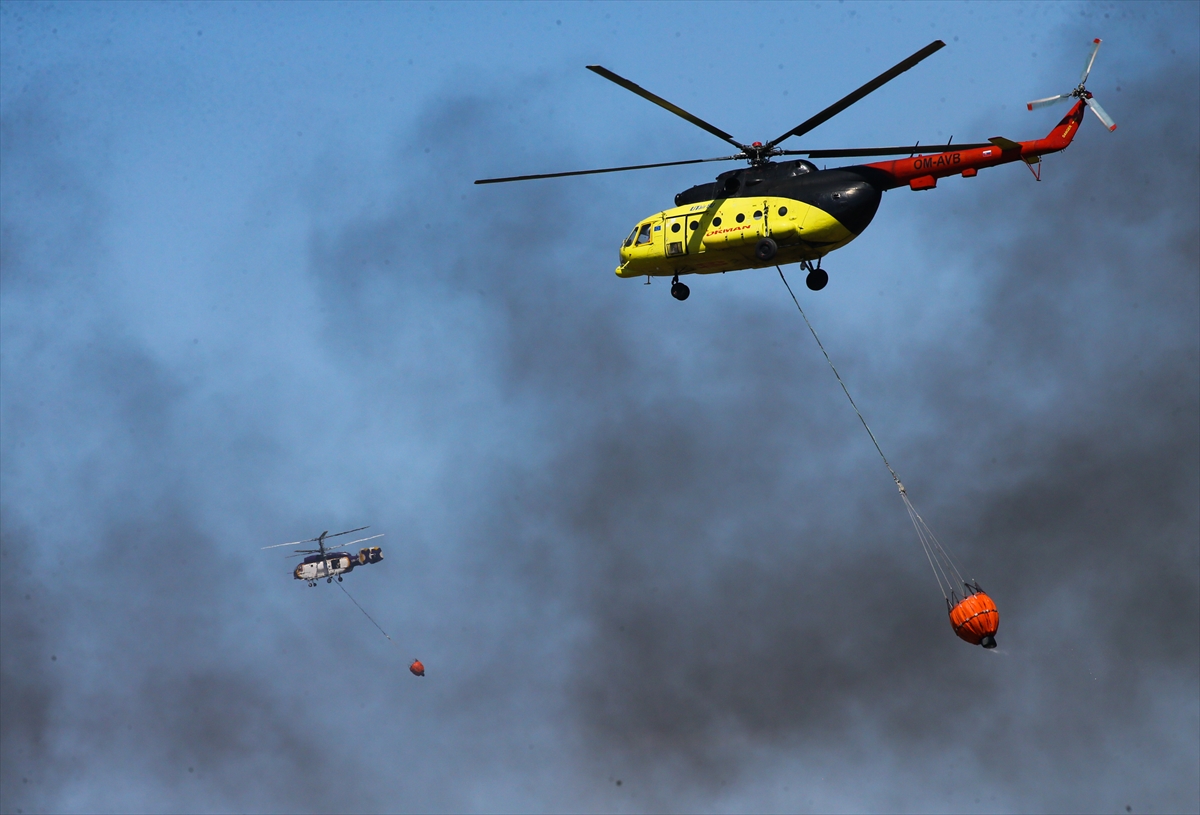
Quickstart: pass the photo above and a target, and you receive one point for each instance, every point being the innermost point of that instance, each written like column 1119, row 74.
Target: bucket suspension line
column 945, row 570
column 368, row 616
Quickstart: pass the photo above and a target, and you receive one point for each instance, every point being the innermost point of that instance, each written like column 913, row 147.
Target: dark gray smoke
column 633, row 540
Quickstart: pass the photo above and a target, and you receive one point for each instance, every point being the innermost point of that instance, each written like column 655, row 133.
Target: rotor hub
column 759, row 154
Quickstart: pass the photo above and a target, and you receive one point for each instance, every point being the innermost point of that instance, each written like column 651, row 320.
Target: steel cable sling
column 945, row 570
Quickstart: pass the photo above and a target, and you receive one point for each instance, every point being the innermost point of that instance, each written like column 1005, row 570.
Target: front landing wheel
column 816, row 279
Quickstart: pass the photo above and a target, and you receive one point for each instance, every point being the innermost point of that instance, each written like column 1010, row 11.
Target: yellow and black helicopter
column 320, row 563
column 789, row 211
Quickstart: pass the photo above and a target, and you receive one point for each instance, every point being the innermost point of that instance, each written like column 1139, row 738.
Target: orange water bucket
column 976, row 619
column 417, row 668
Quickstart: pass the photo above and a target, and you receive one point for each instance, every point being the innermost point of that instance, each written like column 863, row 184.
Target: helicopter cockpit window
column 644, row 235
column 629, row 240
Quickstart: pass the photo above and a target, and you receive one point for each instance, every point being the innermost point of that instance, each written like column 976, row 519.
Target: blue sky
column 250, row 293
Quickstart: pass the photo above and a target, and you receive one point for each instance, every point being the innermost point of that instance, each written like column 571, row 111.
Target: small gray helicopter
column 320, row 563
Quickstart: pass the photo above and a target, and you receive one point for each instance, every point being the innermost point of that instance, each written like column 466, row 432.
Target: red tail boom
column 922, row 172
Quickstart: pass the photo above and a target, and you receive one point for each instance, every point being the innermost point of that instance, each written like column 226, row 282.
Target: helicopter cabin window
column 716, row 221
column 675, row 227
column 741, row 217
column 693, row 224
column 757, row 214
column 783, row 210
column 644, row 235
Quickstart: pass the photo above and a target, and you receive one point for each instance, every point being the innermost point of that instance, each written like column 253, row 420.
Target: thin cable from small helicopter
column 415, row 667
column 974, row 617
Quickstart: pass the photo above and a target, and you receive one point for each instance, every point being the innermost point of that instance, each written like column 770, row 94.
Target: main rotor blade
column 1087, row 69
column 314, row 540
column 360, row 540
column 663, row 103
column 884, row 151
column 347, row 532
column 1049, row 100
column 849, row 99
column 605, row 170
column 290, row 543
column 1099, row 111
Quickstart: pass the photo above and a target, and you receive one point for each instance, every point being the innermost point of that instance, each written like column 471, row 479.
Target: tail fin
column 1058, row 138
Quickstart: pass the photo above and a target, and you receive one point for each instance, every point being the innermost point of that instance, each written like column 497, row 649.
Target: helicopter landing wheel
column 329, row 580
column 679, row 291
column 765, row 250
column 339, row 580
column 816, row 279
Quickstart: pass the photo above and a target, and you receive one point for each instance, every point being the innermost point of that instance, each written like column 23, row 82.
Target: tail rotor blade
column 1049, row 100
column 1099, row 111
column 1091, row 58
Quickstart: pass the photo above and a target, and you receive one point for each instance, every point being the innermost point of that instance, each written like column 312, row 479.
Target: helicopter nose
column 853, row 203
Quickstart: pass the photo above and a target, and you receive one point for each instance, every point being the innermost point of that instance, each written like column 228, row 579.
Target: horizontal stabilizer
column 1005, row 144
